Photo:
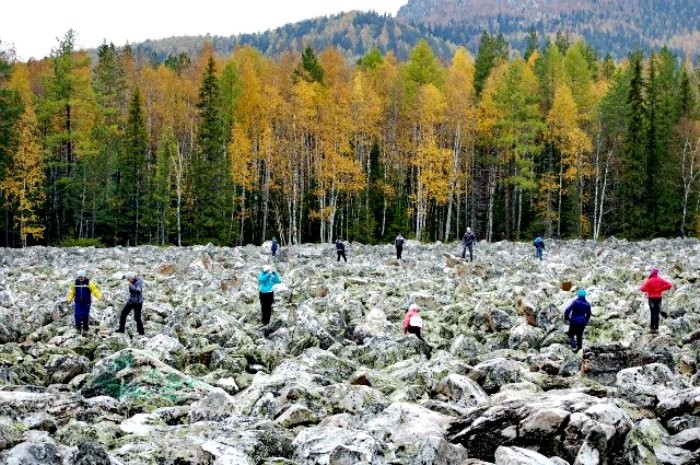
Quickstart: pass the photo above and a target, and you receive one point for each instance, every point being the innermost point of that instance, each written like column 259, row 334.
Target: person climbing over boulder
column 654, row 287
column 577, row 315
column 539, row 247
column 266, row 279
column 413, row 323
column 82, row 291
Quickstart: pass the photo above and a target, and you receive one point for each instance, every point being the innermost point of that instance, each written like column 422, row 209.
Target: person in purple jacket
column 577, row 315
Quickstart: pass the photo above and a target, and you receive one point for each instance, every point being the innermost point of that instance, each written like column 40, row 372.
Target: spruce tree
column 309, row 69
column 210, row 171
column 135, row 176
column 491, row 49
column 11, row 108
column 633, row 211
column 531, row 43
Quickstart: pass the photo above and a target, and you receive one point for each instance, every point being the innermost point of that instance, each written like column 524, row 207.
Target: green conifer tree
column 633, row 211
column 211, row 183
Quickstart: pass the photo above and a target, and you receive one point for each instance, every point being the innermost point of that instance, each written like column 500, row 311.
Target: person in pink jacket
column 654, row 287
column 412, row 322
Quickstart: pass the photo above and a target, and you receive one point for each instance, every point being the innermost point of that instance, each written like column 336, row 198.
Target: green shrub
column 82, row 242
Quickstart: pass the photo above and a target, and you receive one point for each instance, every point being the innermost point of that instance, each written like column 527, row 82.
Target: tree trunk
column 561, row 189
column 492, row 192
column 453, row 181
column 601, row 207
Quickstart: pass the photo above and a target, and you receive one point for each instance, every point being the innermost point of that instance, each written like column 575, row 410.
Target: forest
column 309, row 147
column 610, row 26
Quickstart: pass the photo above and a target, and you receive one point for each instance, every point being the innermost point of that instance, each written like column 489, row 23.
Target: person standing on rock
column 539, row 247
column 82, row 291
column 266, row 279
column 654, row 287
column 274, row 247
column 577, row 315
column 468, row 243
column 340, row 249
column 134, row 302
column 412, row 323
column 399, row 245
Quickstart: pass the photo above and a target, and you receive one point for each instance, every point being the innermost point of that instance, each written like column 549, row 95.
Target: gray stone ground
column 333, row 379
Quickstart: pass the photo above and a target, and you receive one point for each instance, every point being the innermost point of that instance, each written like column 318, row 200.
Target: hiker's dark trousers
column 655, row 309
column 415, row 330
column 81, row 313
column 399, row 249
column 266, row 299
column 576, row 331
column 137, row 316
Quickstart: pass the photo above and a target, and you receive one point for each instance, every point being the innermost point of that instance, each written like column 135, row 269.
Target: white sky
column 33, row 26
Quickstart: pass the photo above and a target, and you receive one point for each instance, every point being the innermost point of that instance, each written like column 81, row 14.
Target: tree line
column 308, row 147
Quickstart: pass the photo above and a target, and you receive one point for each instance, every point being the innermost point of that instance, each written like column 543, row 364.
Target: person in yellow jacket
column 82, row 291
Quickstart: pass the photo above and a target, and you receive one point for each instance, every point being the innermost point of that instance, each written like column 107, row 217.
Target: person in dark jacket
column 539, row 247
column 654, row 287
column 274, row 247
column 266, row 279
column 468, row 243
column 340, row 249
column 82, row 291
column 399, row 245
column 577, row 315
column 134, row 302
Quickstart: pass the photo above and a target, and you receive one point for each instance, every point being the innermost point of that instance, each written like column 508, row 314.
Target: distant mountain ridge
column 354, row 33
column 613, row 27
column 610, row 26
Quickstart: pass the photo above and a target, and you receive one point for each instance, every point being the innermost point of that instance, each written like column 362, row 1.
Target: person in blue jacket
column 266, row 279
column 82, row 290
column 539, row 247
column 577, row 315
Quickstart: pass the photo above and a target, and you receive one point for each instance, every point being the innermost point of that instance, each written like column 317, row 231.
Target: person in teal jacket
column 266, row 279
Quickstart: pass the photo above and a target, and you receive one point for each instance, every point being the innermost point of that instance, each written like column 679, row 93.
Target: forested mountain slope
column 610, row 26
column 354, row 33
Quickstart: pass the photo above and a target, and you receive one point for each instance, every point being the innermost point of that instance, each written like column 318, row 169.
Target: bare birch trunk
column 492, row 192
column 603, row 187
column 453, row 180
column 689, row 175
column 561, row 189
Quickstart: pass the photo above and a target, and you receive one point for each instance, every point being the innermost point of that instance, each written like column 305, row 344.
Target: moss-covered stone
column 143, row 381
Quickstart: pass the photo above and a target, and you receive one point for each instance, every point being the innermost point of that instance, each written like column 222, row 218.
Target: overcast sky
column 33, row 26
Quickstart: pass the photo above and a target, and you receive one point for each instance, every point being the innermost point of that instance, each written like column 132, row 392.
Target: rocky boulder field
column 333, row 380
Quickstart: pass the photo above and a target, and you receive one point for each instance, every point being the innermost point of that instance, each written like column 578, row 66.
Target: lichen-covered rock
column 33, row 453
column 10, row 433
column 338, row 446
column 462, row 390
column 142, row 380
column 90, row 453
column 648, row 384
column 520, row 456
column 333, row 378
column 214, row 406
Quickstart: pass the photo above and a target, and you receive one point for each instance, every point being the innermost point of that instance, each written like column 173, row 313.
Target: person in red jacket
column 654, row 287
